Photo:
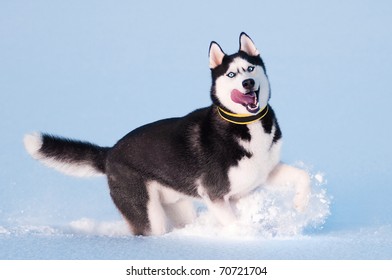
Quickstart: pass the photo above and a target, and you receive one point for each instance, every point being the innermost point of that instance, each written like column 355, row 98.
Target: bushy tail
column 71, row 157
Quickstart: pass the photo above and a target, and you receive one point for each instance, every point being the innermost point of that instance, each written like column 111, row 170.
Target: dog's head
column 239, row 81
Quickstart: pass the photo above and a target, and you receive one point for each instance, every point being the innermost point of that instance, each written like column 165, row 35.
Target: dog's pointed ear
column 247, row 45
column 216, row 55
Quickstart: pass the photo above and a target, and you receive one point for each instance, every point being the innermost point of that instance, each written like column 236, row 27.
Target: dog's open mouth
column 248, row 99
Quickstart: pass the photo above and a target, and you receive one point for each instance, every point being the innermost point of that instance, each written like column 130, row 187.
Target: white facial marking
column 233, row 78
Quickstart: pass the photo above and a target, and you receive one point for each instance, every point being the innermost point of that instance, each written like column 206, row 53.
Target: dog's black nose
column 248, row 83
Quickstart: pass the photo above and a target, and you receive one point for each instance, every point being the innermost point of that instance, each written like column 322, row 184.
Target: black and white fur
column 156, row 170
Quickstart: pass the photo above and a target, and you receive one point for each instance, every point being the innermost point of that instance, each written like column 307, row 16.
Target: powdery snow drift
column 266, row 212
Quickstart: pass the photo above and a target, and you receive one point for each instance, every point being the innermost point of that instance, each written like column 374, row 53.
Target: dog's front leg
column 220, row 207
column 222, row 211
column 286, row 175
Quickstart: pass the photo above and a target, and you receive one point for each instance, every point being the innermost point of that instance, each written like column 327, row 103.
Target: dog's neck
column 243, row 119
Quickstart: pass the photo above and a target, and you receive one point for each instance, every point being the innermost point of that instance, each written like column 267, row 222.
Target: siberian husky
column 216, row 154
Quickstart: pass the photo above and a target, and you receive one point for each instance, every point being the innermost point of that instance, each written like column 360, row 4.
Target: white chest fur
column 252, row 172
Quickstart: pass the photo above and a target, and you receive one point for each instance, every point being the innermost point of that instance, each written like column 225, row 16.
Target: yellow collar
column 242, row 118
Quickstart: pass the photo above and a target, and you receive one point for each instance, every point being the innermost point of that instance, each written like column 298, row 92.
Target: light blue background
column 95, row 70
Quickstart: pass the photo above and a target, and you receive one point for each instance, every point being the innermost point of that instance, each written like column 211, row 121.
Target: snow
column 95, row 70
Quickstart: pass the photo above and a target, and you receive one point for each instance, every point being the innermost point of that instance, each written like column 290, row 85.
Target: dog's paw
column 301, row 201
column 302, row 192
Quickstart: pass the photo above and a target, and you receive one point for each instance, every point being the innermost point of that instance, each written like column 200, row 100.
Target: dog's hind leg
column 220, row 207
column 155, row 211
column 138, row 203
column 286, row 175
column 181, row 212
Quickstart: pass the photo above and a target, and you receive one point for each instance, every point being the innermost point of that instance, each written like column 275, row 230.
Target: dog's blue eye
column 251, row 68
column 231, row 75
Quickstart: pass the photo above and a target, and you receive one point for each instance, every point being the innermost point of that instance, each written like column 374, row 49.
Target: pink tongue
column 244, row 99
